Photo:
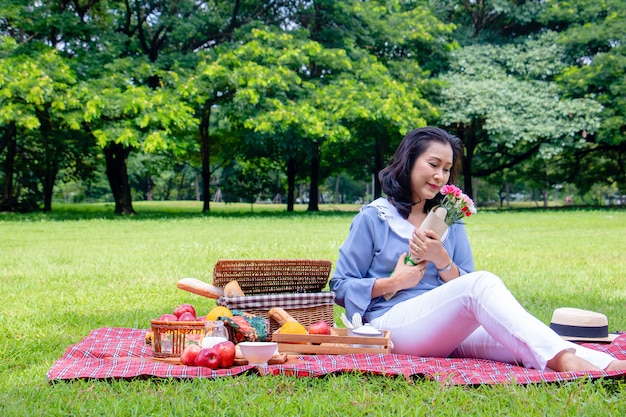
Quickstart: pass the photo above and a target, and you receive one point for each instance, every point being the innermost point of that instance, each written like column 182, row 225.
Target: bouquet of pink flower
column 454, row 206
column 457, row 204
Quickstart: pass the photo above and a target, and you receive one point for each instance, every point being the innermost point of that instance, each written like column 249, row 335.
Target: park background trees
column 251, row 100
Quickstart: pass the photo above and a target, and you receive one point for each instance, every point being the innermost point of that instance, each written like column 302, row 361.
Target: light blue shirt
column 378, row 236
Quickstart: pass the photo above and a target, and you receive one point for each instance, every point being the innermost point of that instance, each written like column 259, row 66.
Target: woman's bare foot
column 568, row 361
column 616, row 365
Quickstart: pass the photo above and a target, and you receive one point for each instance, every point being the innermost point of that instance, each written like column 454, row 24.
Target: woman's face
column 431, row 171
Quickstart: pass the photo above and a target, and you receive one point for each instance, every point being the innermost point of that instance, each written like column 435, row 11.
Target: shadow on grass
column 176, row 210
column 163, row 210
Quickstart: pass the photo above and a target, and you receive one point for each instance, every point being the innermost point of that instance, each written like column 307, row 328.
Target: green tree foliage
column 230, row 83
column 251, row 180
column 593, row 34
column 39, row 132
column 377, row 110
column 394, row 45
column 490, row 20
column 124, row 116
column 311, row 88
column 143, row 40
column 501, row 101
column 294, row 116
column 107, row 99
column 145, row 44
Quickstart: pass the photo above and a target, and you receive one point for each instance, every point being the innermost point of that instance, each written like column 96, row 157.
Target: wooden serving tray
column 274, row 360
column 279, row 358
column 337, row 344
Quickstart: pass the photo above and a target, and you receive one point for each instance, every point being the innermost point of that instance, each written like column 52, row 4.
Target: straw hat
column 580, row 325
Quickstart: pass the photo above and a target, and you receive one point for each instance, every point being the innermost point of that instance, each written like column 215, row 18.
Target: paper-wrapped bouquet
column 454, row 206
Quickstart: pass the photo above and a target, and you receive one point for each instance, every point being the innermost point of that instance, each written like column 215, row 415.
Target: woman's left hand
column 426, row 245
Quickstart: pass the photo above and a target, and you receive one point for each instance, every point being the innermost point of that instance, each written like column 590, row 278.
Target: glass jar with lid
column 214, row 333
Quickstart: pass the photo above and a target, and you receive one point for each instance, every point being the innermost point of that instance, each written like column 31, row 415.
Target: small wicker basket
column 273, row 276
column 305, row 308
column 169, row 338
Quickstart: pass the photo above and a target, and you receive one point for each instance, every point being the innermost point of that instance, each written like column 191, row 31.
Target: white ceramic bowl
column 258, row 353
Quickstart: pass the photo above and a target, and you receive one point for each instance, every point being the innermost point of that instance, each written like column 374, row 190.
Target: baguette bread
column 232, row 289
column 195, row 286
column 280, row 315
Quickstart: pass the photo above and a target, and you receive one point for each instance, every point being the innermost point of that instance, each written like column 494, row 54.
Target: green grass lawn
column 78, row 268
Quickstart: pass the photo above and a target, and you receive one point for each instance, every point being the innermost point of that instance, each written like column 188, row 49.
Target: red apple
column 208, row 358
column 320, row 327
column 187, row 316
column 183, row 308
column 168, row 317
column 189, row 354
column 226, row 352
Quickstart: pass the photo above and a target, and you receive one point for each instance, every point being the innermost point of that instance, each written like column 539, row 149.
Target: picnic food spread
column 198, row 341
column 258, row 302
column 113, row 352
column 304, row 345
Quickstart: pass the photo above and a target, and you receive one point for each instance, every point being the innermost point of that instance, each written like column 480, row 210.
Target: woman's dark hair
column 395, row 179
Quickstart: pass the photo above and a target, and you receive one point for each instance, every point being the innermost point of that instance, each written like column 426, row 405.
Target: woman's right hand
column 403, row 276
column 407, row 275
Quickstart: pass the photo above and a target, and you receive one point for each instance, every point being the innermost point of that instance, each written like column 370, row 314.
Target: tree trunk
column 49, row 160
column 291, row 183
column 205, row 141
column 48, row 187
column 116, row 156
column 379, row 162
column 314, row 192
column 468, row 137
column 467, row 134
column 8, row 136
column 196, row 184
column 149, row 188
column 8, row 201
column 181, row 189
column 508, row 194
column 168, row 189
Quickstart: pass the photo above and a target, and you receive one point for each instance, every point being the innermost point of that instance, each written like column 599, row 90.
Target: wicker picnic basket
column 306, row 308
column 273, row 276
column 169, row 338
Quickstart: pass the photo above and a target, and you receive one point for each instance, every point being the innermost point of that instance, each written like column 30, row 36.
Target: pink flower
column 448, row 189
column 457, row 203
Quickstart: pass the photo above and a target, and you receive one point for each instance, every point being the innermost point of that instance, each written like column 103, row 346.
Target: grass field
column 78, row 268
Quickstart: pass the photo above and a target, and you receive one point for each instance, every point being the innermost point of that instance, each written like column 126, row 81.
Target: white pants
column 476, row 316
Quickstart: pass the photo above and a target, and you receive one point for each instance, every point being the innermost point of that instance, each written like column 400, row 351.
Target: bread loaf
column 238, row 354
column 149, row 337
column 280, row 315
column 195, row 286
column 232, row 289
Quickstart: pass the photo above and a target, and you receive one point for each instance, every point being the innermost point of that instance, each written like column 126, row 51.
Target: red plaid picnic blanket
column 122, row 353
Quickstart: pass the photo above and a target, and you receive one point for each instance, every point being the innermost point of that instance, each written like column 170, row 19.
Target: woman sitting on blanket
column 441, row 307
